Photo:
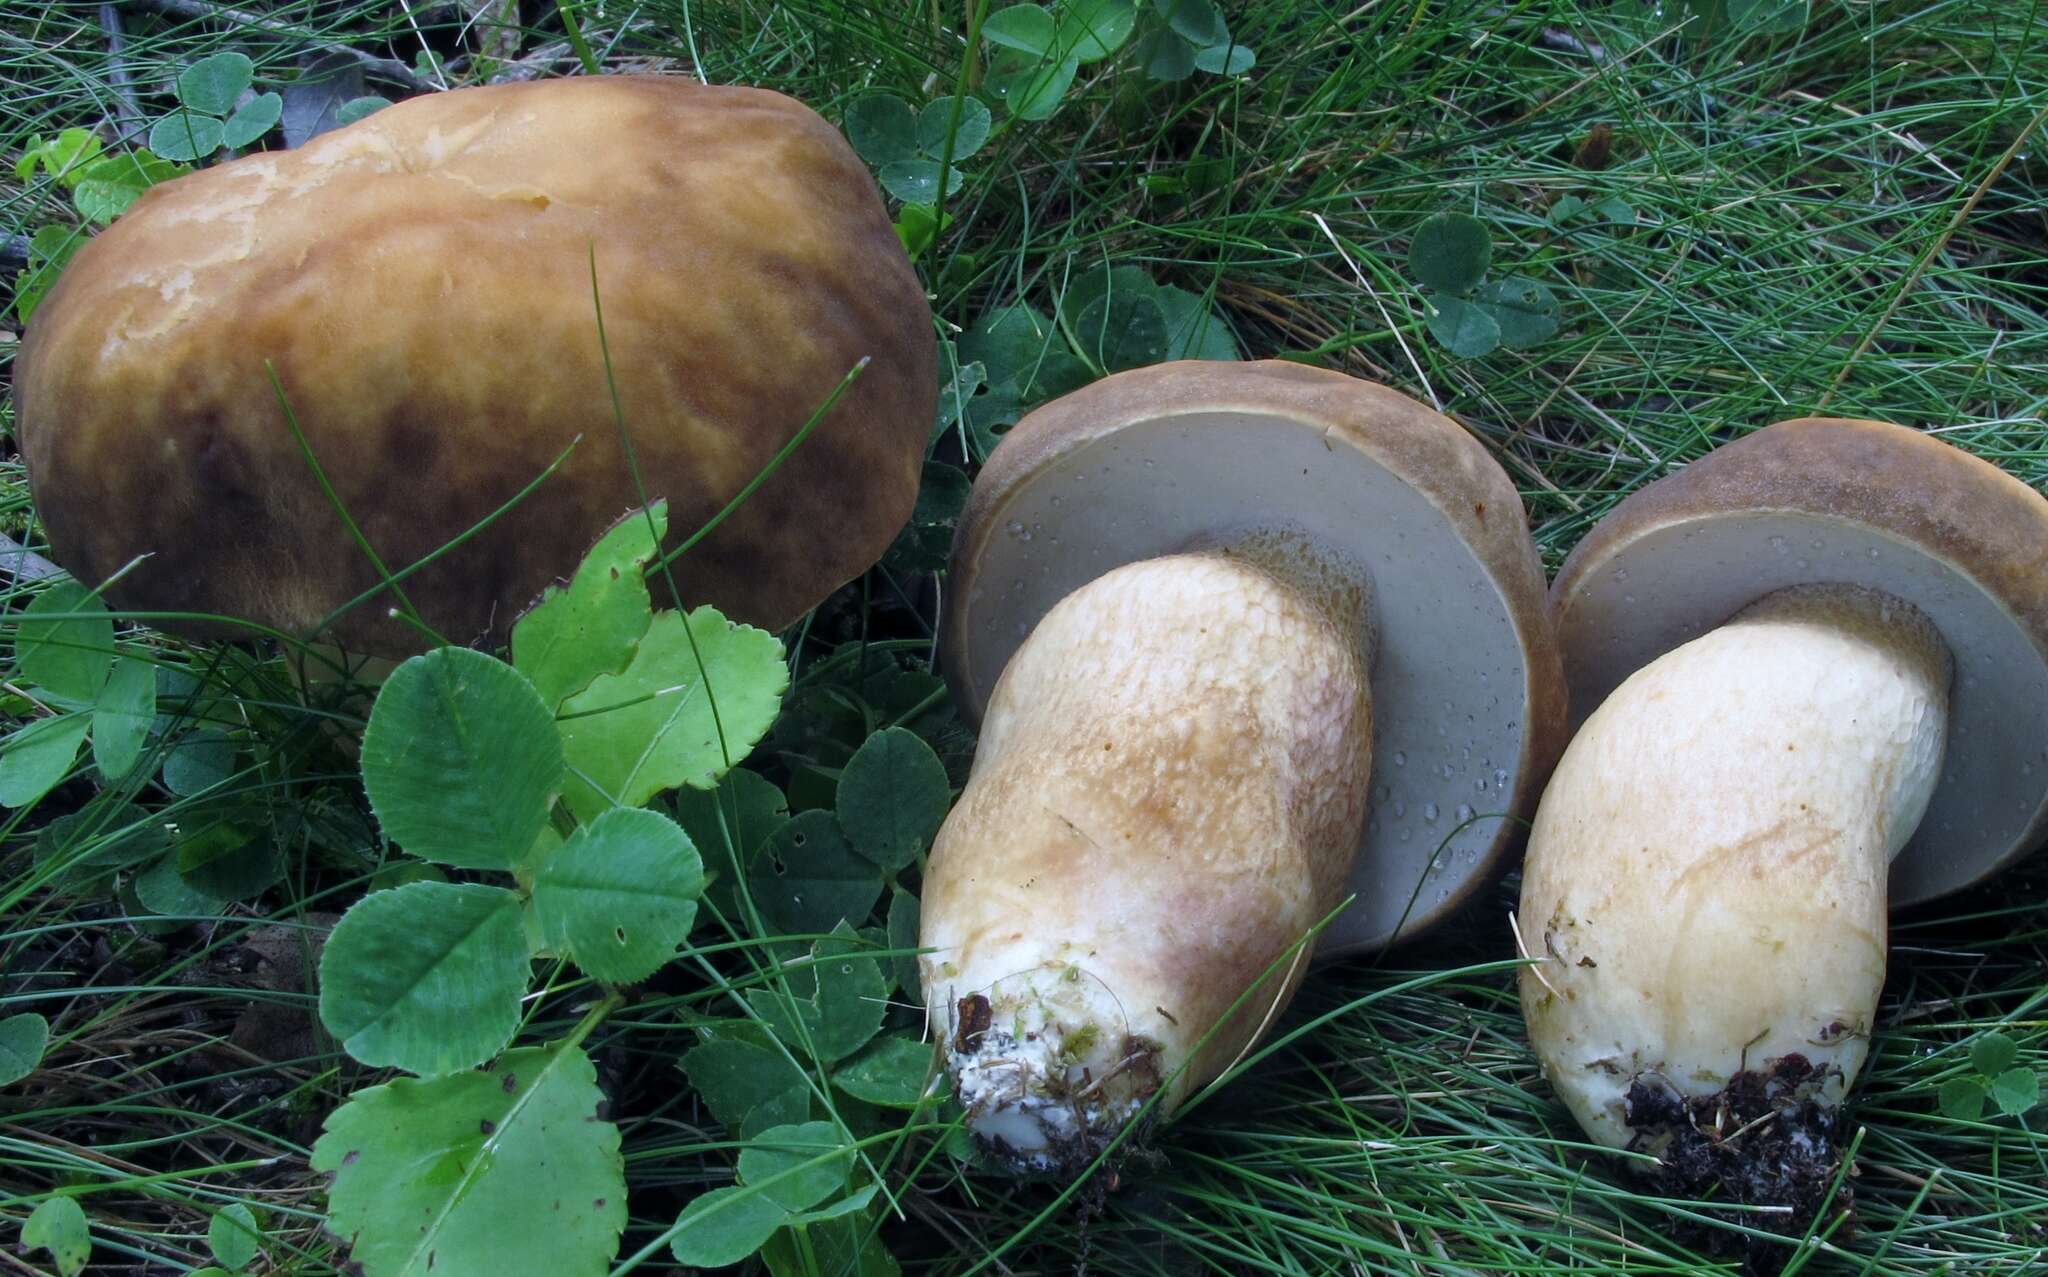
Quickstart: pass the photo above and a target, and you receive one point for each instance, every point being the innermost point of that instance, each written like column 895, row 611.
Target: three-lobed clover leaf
column 461, row 1168
column 830, row 1005
column 747, row 1086
column 207, row 118
column 2014, row 1088
column 909, row 148
column 1450, row 254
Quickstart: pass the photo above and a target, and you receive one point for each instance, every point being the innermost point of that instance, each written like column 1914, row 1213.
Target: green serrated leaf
column 426, row 977
column 1466, row 330
column 798, row 1165
column 936, row 120
column 724, row 1226
column 916, row 181
column 460, row 759
column 234, row 1237
column 108, row 185
column 253, row 119
column 742, row 1081
column 121, row 719
column 34, row 759
column 213, row 83
column 808, row 879
column 1226, row 59
column 832, row 1005
column 1962, row 1098
column 649, row 728
column 1091, row 30
column 64, row 156
column 728, row 825
column 1450, row 253
column 2016, row 1091
column 67, row 658
column 1993, row 1053
column 620, row 895
column 893, row 796
column 1193, row 331
column 452, row 1175
column 881, row 128
column 1197, row 21
column 187, row 136
column 1525, row 311
column 892, row 1072
column 359, row 108
column 1030, row 86
column 23, row 1039
column 591, row 626
column 48, row 251
column 1026, row 28
column 58, row 1226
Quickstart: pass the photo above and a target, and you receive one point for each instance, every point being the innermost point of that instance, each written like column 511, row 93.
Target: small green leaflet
column 460, row 759
column 1450, row 252
column 186, row 136
column 1993, row 1053
column 234, row 1237
column 38, row 756
column 23, row 1039
column 797, row 1166
column 2016, row 1091
column 892, row 1072
column 198, row 761
column 69, row 657
column 1466, row 329
column 426, row 977
column 620, row 894
column 724, row 1226
column 590, row 626
column 1027, row 28
column 452, row 1175
column 631, row 735
column 213, row 83
column 809, row 879
column 728, row 825
column 747, row 1086
column 892, row 798
column 904, row 911
column 58, row 1226
column 832, row 1005
column 122, row 716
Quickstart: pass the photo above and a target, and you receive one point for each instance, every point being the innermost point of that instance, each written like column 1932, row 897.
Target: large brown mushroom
column 421, row 281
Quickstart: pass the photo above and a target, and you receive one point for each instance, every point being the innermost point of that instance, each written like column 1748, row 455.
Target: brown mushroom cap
column 421, row 281
column 1468, row 700
column 1826, row 500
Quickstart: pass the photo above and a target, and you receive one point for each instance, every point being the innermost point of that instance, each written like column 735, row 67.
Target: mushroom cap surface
column 1849, row 502
column 422, row 283
column 1467, row 696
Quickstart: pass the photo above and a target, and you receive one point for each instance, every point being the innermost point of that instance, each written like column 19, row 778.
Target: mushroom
column 1260, row 599
column 422, row 283
column 1813, row 672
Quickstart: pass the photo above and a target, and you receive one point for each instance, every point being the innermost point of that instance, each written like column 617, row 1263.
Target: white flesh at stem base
column 1705, row 883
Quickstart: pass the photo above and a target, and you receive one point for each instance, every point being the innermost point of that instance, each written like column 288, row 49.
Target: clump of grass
column 1845, row 220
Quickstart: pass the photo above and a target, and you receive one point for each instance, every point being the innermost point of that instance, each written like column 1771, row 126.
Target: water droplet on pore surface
column 1400, row 810
column 1400, row 759
column 1778, row 544
column 1464, row 812
column 1015, row 528
column 1430, row 813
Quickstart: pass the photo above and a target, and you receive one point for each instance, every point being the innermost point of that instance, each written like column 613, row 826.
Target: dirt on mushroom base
column 1076, row 1116
column 1766, row 1139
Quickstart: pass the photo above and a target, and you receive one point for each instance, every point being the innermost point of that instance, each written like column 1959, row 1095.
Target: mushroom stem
column 1706, row 887
column 1167, row 795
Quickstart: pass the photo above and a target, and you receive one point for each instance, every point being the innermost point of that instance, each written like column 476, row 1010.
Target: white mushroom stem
column 1167, row 796
column 1705, row 884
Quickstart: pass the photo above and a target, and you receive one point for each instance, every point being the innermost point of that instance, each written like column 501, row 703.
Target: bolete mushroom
column 1227, row 628
column 421, row 282
column 1813, row 672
